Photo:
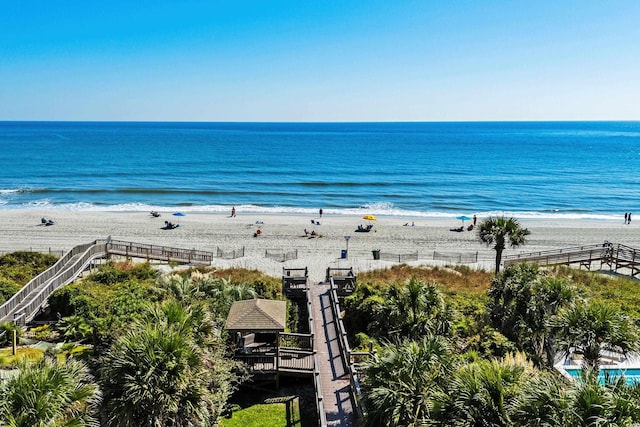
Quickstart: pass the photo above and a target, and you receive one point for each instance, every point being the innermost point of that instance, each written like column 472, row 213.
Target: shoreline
column 22, row 230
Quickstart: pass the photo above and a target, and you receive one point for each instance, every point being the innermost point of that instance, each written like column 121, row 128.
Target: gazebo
column 256, row 323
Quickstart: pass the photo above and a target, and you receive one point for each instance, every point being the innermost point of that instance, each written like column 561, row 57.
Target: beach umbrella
column 463, row 218
column 369, row 217
column 178, row 214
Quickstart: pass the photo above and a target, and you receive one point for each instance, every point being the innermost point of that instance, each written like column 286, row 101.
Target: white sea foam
column 379, row 209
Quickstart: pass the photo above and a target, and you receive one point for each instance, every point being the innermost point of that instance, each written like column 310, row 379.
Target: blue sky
column 392, row 60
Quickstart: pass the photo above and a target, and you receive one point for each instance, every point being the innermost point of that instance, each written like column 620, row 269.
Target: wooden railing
column 563, row 256
column 7, row 309
column 162, row 253
column 26, row 310
column 24, row 305
column 345, row 349
column 616, row 256
column 295, row 341
column 344, row 283
column 317, row 385
column 294, row 281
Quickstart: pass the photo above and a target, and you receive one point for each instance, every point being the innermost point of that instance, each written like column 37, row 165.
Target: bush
column 8, row 288
column 23, row 266
column 8, row 328
column 17, row 268
column 43, row 333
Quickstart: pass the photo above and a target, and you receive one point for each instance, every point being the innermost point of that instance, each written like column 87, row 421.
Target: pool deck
column 610, row 361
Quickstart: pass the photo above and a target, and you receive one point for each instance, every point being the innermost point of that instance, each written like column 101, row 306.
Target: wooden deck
column 343, row 279
column 287, row 361
column 295, row 282
column 160, row 253
column 610, row 256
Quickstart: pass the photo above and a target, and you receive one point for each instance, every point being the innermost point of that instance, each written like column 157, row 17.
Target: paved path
column 333, row 374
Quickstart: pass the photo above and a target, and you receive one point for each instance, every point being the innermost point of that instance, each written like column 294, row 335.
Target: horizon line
column 326, row 122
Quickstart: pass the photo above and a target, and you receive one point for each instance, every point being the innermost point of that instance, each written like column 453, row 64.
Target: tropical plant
column 188, row 319
column 6, row 332
column 155, row 376
column 522, row 302
column 542, row 402
column 399, row 385
column 49, row 393
column 75, row 328
column 480, row 393
column 410, row 310
column 498, row 231
column 594, row 327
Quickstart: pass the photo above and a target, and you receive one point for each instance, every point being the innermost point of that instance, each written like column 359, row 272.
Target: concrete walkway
column 333, row 374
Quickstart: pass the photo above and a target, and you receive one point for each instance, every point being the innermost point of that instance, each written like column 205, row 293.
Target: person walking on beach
column 320, row 212
column 233, row 212
column 475, row 219
column 629, row 218
column 626, row 217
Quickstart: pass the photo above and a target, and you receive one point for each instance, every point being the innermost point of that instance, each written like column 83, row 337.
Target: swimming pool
column 632, row 375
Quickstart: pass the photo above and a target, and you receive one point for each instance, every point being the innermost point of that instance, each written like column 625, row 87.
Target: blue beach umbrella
column 178, row 214
column 463, row 218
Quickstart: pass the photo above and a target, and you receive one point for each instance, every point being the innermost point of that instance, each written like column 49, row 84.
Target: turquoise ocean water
column 530, row 169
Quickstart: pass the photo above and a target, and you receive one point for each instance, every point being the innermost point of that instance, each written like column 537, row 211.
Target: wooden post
column 277, row 360
column 14, row 342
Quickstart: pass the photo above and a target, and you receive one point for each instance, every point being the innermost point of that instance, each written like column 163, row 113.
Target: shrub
column 8, row 328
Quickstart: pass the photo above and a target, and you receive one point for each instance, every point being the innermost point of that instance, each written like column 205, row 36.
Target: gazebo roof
column 257, row 315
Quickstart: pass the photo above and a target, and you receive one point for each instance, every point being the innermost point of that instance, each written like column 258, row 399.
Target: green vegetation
column 456, row 347
column 275, row 414
column 154, row 353
column 47, row 393
column 10, row 361
column 17, row 268
column 449, row 355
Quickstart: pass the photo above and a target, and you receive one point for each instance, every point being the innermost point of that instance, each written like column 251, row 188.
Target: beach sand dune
column 23, row 230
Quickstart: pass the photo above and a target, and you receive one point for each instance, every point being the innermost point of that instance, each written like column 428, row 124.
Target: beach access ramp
column 613, row 257
column 22, row 307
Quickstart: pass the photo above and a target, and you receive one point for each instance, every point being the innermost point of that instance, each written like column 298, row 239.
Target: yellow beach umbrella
column 369, row 217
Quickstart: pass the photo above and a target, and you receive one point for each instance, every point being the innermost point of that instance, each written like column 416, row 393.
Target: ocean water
column 529, row 169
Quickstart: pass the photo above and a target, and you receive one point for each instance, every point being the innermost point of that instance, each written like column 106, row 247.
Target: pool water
column 632, row 375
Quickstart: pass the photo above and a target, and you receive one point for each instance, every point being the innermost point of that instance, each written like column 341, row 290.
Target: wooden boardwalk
column 27, row 302
column 334, row 375
column 610, row 256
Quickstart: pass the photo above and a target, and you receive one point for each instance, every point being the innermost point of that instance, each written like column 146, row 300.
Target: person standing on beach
column 626, row 217
column 320, row 212
column 475, row 219
column 629, row 218
column 233, row 212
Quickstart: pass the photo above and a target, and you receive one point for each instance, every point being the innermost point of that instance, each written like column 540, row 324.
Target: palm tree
column 551, row 294
column 543, row 402
column 551, row 401
column 481, row 393
column 412, row 310
column 593, row 327
column 155, row 376
column 187, row 319
column 497, row 231
column 49, row 393
column 523, row 300
column 398, row 386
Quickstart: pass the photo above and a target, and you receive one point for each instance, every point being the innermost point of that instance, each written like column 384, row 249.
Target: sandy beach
column 22, row 230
